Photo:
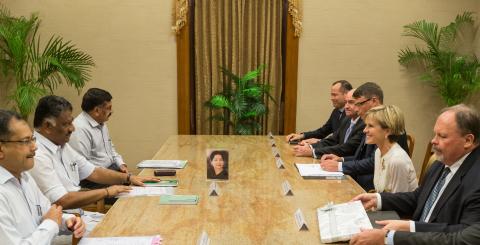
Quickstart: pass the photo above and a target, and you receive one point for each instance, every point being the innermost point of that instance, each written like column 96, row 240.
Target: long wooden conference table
column 251, row 208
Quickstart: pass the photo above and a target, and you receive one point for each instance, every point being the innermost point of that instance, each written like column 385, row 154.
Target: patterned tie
column 434, row 194
column 349, row 130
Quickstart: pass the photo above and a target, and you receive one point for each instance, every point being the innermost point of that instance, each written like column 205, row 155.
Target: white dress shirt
column 394, row 172
column 22, row 207
column 58, row 169
column 93, row 141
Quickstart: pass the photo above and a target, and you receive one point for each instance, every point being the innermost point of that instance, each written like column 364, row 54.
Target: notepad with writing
column 315, row 171
column 179, row 199
column 342, row 221
column 176, row 164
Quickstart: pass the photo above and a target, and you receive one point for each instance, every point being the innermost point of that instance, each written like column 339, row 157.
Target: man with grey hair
column 449, row 199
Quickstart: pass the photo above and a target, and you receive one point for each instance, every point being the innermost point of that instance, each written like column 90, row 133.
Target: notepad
column 138, row 240
column 316, row 171
column 179, row 199
column 148, row 191
column 177, row 164
column 162, row 183
column 342, row 221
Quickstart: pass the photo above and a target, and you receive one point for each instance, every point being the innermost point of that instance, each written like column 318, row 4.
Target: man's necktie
column 349, row 130
column 434, row 194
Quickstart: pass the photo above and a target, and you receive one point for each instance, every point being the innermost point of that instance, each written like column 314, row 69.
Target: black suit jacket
column 467, row 236
column 329, row 127
column 335, row 143
column 362, row 165
column 457, row 207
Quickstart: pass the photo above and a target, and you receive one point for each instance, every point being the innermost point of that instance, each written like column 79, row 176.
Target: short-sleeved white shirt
column 58, row 169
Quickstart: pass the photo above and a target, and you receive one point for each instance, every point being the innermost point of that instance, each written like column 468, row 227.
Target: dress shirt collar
column 5, row 175
column 354, row 121
column 454, row 167
column 90, row 120
column 52, row 147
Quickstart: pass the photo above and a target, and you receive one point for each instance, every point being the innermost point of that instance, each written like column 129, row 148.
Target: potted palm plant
column 455, row 75
column 242, row 101
column 37, row 69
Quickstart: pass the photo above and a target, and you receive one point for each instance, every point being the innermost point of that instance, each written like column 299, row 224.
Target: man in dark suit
column 337, row 96
column 467, row 236
column 344, row 141
column 361, row 165
column 449, row 199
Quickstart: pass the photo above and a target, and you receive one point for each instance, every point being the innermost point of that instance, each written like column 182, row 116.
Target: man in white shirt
column 91, row 137
column 26, row 215
column 59, row 168
column 449, row 199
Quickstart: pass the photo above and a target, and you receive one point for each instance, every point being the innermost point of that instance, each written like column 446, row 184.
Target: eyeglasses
column 363, row 102
column 22, row 142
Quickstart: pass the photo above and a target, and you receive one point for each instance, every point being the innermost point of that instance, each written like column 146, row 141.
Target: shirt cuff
column 412, row 226
column 390, row 237
column 313, row 151
column 50, row 226
column 66, row 217
column 55, row 193
column 340, row 166
column 379, row 201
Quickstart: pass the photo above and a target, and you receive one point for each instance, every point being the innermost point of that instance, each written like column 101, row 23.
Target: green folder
column 162, row 183
column 179, row 199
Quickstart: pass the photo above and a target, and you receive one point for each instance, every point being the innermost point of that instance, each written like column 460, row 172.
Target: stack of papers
column 162, row 183
column 177, row 164
column 139, row 240
column 340, row 222
column 147, row 191
column 309, row 170
column 179, row 199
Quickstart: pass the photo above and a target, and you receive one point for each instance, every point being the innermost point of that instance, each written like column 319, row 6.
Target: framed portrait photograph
column 217, row 164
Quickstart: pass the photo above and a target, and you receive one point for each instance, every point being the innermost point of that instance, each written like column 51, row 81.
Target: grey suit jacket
column 469, row 235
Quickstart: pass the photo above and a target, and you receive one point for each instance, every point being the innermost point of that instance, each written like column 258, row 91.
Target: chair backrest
column 427, row 162
column 411, row 144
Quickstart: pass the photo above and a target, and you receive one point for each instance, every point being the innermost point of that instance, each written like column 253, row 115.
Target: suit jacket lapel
column 360, row 147
column 454, row 183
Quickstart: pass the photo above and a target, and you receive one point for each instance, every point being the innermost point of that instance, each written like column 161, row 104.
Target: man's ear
column 469, row 141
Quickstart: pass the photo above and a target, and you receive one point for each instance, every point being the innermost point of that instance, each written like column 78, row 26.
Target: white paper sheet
column 148, row 191
column 139, row 240
column 162, row 164
column 315, row 170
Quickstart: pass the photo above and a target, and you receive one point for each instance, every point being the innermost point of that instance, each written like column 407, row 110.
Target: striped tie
column 349, row 130
column 434, row 194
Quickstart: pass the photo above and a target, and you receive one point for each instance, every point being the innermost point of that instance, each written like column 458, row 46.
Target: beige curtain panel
column 239, row 35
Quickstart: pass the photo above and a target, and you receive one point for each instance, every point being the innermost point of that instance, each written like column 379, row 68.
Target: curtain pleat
column 239, row 35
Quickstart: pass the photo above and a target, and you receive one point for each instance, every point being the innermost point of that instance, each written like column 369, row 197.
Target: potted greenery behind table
column 455, row 75
column 36, row 70
column 242, row 101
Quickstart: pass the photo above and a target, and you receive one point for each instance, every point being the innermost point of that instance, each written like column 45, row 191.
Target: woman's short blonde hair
column 388, row 117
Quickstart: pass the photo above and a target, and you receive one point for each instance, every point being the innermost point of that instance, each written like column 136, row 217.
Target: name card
column 204, row 239
column 300, row 221
column 275, row 152
column 213, row 190
column 270, row 135
column 287, row 189
column 279, row 162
